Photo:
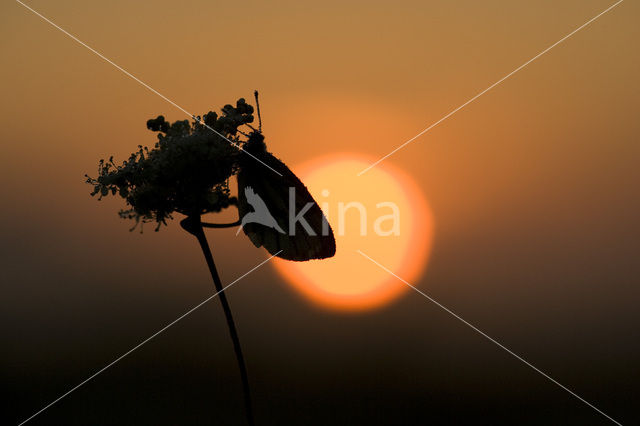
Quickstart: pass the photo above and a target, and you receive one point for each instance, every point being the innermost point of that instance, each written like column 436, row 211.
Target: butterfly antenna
column 255, row 94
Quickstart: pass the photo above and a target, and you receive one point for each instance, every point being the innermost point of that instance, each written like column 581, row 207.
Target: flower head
column 187, row 171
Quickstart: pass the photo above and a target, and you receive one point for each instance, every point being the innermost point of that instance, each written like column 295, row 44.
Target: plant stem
column 221, row 225
column 194, row 226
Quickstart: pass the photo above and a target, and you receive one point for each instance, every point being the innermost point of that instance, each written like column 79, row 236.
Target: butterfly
column 278, row 212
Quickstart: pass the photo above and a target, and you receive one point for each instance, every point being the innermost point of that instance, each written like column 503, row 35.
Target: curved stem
column 221, row 225
column 194, row 227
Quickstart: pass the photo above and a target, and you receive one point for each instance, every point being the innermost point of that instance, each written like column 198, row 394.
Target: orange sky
column 555, row 145
column 359, row 78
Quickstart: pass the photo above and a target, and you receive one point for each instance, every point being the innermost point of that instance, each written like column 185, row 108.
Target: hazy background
column 534, row 189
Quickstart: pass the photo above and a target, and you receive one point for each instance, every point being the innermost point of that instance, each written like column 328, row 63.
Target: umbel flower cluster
column 187, row 171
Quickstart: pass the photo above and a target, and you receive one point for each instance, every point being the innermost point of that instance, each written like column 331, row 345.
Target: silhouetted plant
column 188, row 171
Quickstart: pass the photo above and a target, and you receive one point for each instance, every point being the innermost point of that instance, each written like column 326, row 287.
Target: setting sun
column 382, row 213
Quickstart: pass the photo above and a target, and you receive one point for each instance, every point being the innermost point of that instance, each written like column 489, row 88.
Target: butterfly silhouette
column 302, row 231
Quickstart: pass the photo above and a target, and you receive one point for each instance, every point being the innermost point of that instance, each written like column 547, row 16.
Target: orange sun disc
column 381, row 213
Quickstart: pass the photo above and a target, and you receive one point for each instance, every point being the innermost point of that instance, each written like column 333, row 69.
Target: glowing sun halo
column 348, row 281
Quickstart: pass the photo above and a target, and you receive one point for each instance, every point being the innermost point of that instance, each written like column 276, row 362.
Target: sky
column 533, row 189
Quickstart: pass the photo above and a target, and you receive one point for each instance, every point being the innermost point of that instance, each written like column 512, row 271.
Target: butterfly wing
column 314, row 241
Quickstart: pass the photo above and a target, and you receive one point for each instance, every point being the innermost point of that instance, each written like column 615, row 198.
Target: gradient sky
column 533, row 187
